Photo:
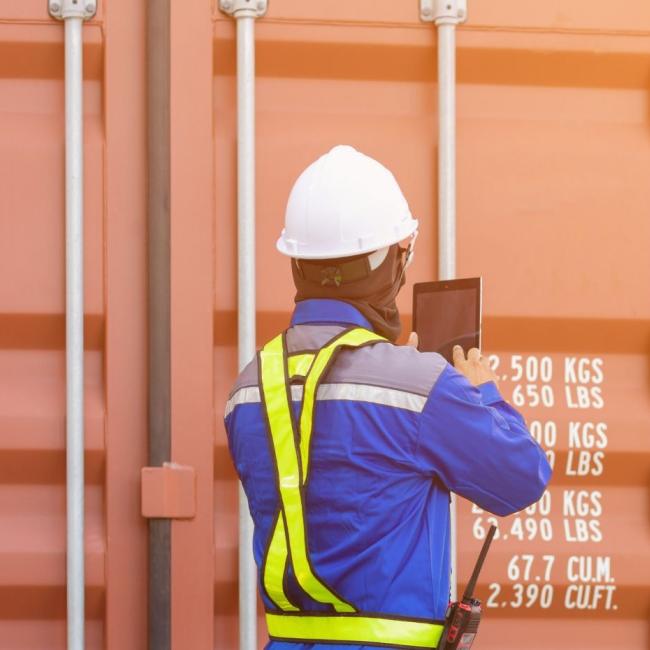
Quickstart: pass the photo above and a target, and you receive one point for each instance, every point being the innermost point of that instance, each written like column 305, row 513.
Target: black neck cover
column 351, row 280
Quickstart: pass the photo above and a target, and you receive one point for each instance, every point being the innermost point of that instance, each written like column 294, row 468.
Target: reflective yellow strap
column 276, row 557
column 275, row 391
column 274, row 567
column 351, row 338
column 302, row 364
column 299, row 364
column 356, row 628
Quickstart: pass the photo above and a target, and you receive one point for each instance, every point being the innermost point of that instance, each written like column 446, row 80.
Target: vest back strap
column 354, row 629
column 291, row 458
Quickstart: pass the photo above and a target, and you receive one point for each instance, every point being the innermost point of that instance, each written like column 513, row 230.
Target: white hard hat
column 343, row 204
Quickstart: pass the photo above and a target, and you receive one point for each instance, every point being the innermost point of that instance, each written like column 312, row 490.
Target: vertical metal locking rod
column 74, row 331
column 73, row 14
column 246, row 299
column 446, row 150
column 447, row 14
column 245, row 16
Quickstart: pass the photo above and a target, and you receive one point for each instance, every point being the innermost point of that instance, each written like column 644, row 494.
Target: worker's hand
column 413, row 340
column 476, row 367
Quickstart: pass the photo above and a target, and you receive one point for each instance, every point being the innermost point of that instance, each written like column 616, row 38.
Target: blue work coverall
column 396, row 430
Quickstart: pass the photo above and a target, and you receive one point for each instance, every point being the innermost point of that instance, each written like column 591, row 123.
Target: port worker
column 348, row 445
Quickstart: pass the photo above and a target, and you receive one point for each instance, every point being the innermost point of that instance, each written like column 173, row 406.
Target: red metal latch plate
column 168, row 492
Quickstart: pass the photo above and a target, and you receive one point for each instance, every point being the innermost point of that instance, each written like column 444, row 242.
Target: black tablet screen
column 448, row 313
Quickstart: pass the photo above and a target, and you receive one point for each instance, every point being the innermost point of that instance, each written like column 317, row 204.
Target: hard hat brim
column 298, row 250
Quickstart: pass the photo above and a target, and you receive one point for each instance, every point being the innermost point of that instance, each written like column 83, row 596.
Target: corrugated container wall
column 553, row 212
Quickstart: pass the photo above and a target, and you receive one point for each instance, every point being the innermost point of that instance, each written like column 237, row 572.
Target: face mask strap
column 410, row 251
column 409, row 254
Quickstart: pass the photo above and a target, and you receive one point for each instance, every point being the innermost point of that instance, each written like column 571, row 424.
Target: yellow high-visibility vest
column 288, row 542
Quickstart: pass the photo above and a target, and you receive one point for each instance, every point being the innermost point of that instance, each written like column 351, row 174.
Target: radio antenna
column 469, row 591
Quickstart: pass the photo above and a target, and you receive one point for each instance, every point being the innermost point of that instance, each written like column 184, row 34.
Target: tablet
column 447, row 313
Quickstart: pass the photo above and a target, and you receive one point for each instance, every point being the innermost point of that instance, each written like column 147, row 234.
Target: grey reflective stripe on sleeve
column 247, row 395
column 373, row 394
column 355, row 392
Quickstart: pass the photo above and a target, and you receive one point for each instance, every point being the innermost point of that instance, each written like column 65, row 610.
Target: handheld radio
column 462, row 617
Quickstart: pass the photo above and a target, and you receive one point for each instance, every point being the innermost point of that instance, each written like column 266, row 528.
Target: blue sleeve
column 479, row 446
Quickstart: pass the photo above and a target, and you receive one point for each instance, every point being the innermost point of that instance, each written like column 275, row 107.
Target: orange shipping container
column 553, row 205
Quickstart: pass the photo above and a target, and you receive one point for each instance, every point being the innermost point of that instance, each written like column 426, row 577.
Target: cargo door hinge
column 168, row 492
column 443, row 11
column 242, row 8
column 62, row 9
